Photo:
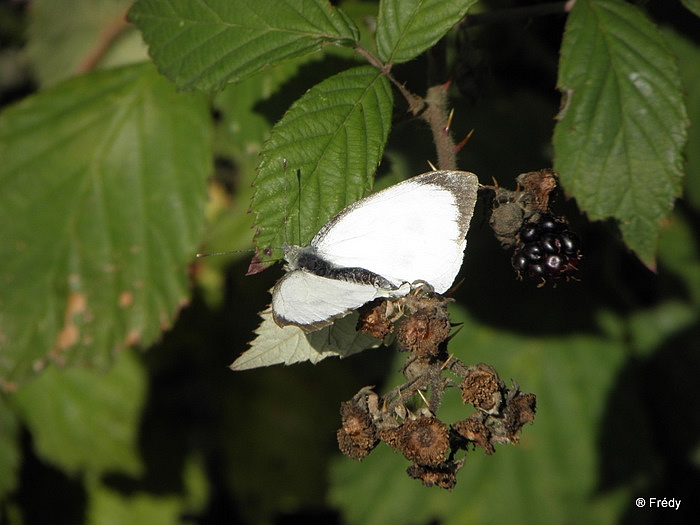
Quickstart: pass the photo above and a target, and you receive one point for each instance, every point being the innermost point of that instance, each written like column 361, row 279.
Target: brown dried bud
column 390, row 435
column 358, row 435
column 481, row 388
column 539, row 184
column 425, row 440
column 473, row 430
column 506, row 221
column 518, row 411
column 423, row 332
column 373, row 319
column 444, row 475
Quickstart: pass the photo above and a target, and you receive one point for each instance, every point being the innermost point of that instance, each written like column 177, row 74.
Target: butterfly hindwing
column 311, row 301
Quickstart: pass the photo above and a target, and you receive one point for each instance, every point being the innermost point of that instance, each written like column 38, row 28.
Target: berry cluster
column 547, row 250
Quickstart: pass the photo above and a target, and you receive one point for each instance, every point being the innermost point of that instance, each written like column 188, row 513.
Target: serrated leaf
column 406, row 28
column 205, row 45
column 240, row 134
column 63, row 42
column 103, row 183
column 688, row 54
column 332, row 139
column 550, row 477
column 274, row 345
column 619, row 140
column 81, row 419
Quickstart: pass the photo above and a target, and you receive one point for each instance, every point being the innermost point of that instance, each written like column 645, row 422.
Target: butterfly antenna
column 286, row 193
column 202, row 255
column 298, row 206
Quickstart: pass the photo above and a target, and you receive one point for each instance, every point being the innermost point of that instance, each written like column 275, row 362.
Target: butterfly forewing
column 414, row 230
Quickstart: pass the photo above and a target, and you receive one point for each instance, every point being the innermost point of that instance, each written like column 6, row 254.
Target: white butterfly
column 412, row 231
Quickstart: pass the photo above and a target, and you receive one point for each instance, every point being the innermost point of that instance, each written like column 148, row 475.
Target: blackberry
column 547, row 250
column 529, row 232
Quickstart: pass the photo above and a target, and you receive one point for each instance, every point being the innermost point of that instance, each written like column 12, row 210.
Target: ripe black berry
column 547, row 250
column 569, row 242
column 529, row 232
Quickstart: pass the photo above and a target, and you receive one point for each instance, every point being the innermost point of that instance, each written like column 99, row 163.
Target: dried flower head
column 424, row 440
column 358, row 435
column 422, row 332
column 473, row 430
column 444, row 475
column 482, row 388
column 520, row 409
column 374, row 320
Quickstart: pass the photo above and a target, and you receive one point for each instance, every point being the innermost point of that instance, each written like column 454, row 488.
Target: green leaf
column 62, row 42
column 107, row 506
column 9, row 448
column 688, row 53
column 619, row 141
column 406, row 28
column 332, row 139
column 103, row 183
column 692, row 5
column 81, row 419
column 241, row 132
column 550, row 477
column 204, row 45
column 678, row 252
column 650, row 329
column 287, row 345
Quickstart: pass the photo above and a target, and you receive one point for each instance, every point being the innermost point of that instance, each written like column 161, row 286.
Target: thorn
column 444, row 365
column 446, row 129
column 432, row 166
column 464, row 141
column 420, row 393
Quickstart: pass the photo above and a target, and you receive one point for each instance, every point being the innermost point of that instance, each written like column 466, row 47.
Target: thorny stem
column 436, row 115
column 432, row 109
column 415, row 103
column 439, row 385
column 457, row 367
column 403, row 393
column 431, row 380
